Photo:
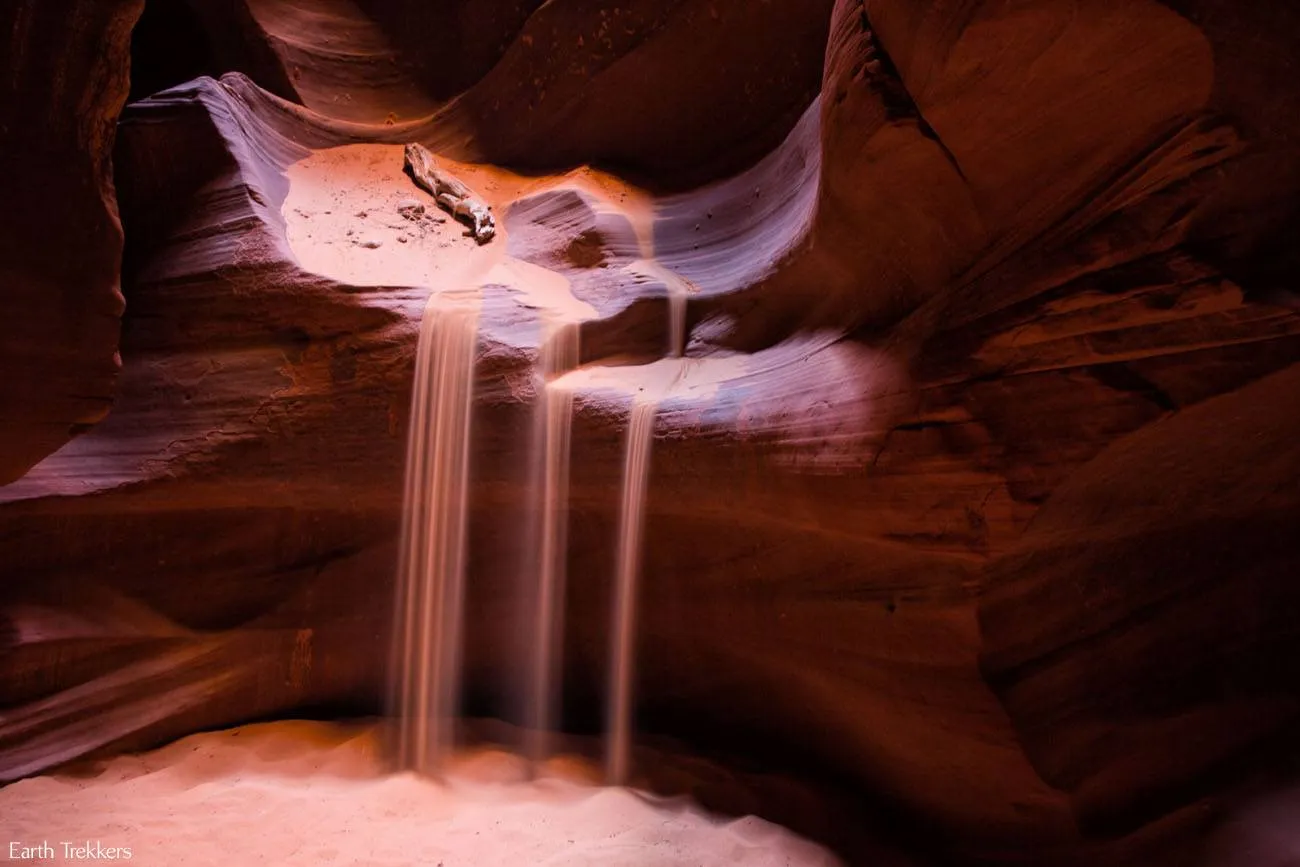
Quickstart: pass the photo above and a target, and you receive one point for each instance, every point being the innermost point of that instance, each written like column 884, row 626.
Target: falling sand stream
column 431, row 585
column 636, row 472
column 550, row 494
column 636, row 475
column 464, row 806
column 429, row 633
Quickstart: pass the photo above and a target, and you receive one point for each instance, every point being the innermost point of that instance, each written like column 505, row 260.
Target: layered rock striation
column 974, row 487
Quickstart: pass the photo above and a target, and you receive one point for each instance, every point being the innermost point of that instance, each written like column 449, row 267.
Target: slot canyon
column 650, row 432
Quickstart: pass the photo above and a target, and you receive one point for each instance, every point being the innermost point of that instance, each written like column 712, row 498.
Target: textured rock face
column 975, row 488
column 1154, row 573
column 65, row 79
column 544, row 85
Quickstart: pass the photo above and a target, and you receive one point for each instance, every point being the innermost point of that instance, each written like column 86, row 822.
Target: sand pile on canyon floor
column 299, row 793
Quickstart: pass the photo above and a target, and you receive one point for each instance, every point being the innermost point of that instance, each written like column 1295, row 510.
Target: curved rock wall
column 64, row 82
column 973, row 491
column 637, row 84
column 1161, row 650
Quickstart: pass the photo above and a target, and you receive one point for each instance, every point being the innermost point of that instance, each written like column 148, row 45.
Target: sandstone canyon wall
column 65, row 80
column 978, row 489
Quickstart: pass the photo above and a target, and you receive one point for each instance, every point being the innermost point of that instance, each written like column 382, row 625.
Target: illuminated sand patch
column 295, row 793
column 343, row 220
column 696, row 378
column 542, row 289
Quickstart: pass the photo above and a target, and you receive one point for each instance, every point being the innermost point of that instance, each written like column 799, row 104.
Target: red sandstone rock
column 996, row 524
column 64, row 82
column 636, row 84
column 1159, row 620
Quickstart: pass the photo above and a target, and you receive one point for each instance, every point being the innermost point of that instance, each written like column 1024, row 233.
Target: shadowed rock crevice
column 65, row 81
column 169, row 46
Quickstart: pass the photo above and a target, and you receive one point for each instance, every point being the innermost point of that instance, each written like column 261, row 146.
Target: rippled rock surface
column 975, row 489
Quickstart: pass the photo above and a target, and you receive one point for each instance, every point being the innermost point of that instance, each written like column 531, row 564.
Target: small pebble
column 410, row 209
column 372, row 245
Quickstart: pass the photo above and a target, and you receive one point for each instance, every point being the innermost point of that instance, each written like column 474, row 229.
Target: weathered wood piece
column 451, row 195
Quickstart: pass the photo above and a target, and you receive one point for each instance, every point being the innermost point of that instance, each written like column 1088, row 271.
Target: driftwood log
column 451, row 195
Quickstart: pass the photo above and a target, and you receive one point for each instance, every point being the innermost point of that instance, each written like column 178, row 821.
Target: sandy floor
column 296, row 793
column 344, row 219
column 348, row 216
